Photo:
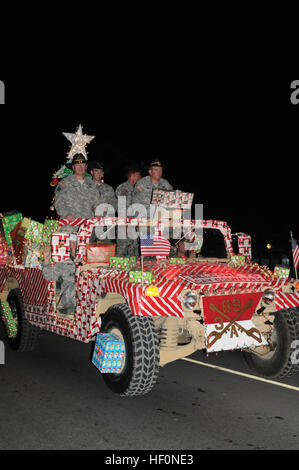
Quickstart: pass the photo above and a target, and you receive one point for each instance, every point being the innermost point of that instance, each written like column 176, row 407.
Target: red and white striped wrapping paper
column 283, row 300
column 77, row 222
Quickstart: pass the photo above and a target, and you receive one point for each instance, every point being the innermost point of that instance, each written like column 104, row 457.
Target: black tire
column 27, row 335
column 279, row 363
column 142, row 354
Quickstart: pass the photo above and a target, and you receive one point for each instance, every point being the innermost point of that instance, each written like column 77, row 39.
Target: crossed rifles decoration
column 216, row 334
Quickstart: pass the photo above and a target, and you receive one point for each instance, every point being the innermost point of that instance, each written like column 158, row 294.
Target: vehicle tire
column 280, row 361
column 142, row 354
column 27, row 335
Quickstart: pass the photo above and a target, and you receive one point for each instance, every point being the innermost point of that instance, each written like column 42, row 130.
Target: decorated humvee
column 143, row 313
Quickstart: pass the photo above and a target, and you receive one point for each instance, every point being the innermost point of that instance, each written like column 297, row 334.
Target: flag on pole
column 295, row 251
column 154, row 245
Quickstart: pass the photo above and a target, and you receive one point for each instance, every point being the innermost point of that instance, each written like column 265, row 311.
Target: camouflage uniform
column 142, row 193
column 65, row 273
column 77, row 199
column 125, row 189
column 126, row 247
column 107, row 196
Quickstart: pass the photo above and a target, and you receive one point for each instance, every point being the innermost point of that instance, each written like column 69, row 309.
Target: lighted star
column 79, row 142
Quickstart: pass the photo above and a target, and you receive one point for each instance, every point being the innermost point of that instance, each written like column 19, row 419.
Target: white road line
column 249, row 376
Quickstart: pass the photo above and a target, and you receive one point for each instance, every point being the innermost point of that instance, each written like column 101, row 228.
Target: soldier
column 128, row 246
column 76, row 196
column 106, row 192
column 144, row 188
column 142, row 193
column 63, row 274
column 126, row 189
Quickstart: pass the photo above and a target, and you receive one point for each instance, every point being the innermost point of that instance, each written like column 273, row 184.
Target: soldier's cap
column 78, row 158
column 156, row 162
column 95, row 165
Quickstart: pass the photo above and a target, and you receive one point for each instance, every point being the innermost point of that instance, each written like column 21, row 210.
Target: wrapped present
column 99, row 253
column 244, row 244
column 4, row 250
column 177, row 260
column 18, row 243
column 35, row 232
column 23, row 227
column 172, row 199
column 238, row 260
column 8, row 320
column 50, row 226
column 8, row 223
column 108, row 354
column 281, row 272
column 82, row 242
column 140, row 276
column 32, row 259
column 122, row 262
column 60, row 246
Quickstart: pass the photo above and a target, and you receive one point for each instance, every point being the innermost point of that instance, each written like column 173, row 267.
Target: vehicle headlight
column 189, row 300
column 268, row 296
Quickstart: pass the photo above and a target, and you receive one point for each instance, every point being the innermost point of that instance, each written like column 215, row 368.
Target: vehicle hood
column 212, row 275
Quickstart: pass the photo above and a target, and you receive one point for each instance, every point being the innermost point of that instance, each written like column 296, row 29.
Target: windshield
column 213, row 245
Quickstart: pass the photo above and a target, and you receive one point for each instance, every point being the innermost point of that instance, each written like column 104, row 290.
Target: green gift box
column 35, row 232
column 9, row 321
column 121, row 262
column 50, row 226
column 139, row 276
column 177, row 261
column 9, row 222
column 281, row 272
column 25, row 224
column 238, row 260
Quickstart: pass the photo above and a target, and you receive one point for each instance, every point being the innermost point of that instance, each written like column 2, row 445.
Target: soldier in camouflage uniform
column 107, row 200
column 77, row 195
column 106, row 192
column 127, row 247
column 143, row 190
column 64, row 275
column 142, row 193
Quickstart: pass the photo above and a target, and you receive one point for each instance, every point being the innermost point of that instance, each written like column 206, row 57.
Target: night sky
column 231, row 139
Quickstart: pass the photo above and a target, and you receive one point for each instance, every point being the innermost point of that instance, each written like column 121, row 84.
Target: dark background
column 228, row 134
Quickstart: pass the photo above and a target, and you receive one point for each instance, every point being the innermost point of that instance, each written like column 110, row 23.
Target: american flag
column 295, row 251
column 154, row 245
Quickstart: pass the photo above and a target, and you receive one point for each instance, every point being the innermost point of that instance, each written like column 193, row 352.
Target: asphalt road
column 54, row 398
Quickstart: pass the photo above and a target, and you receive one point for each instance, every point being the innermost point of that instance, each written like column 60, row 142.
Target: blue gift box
column 108, row 354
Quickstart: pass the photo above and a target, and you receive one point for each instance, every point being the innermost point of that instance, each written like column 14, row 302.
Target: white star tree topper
column 78, row 141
